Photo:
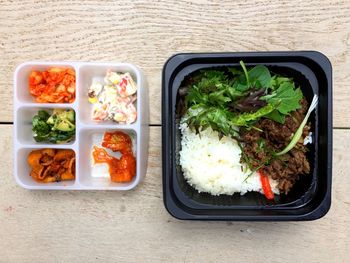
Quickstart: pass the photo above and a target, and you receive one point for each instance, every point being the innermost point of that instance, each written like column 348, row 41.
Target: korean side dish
column 52, row 165
column 56, row 127
column 54, row 85
column 243, row 129
column 113, row 98
column 123, row 169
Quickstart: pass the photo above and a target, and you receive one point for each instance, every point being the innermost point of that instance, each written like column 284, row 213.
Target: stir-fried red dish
column 52, row 165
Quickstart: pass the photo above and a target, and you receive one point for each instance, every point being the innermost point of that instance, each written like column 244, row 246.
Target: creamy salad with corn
column 114, row 98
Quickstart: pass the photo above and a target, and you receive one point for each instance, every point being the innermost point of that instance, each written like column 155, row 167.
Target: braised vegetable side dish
column 52, row 165
column 58, row 127
column 243, row 130
column 120, row 170
column 114, row 98
column 54, row 85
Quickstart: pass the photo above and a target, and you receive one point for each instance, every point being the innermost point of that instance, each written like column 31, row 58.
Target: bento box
column 309, row 199
column 87, row 131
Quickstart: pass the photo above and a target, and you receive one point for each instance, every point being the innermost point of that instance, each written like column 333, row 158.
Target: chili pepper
column 265, row 183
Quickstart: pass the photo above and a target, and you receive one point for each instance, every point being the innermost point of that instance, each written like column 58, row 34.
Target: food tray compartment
column 90, row 72
column 312, row 71
column 23, row 170
column 97, row 175
column 22, row 72
column 24, row 123
column 25, row 108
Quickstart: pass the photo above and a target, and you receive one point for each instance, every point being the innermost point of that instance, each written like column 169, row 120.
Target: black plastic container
column 310, row 198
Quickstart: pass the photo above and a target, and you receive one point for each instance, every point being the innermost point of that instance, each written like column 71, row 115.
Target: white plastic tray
column 88, row 132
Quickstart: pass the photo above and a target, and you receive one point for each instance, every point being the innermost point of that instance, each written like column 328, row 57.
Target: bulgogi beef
column 259, row 147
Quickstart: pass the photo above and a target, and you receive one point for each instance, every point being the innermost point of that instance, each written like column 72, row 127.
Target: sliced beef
column 259, row 146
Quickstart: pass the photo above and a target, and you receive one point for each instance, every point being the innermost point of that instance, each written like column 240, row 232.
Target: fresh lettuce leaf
column 245, row 119
column 234, row 94
column 286, row 98
column 276, row 116
column 195, row 96
column 259, row 77
column 214, row 100
column 277, row 81
column 218, row 97
column 211, row 81
column 200, row 117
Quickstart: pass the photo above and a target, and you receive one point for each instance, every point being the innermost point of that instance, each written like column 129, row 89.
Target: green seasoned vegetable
column 40, row 126
column 61, row 137
column 64, row 114
column 52, row 120
column 43, row 115
column 227, row 99
column 57, row 128
column 64, row 125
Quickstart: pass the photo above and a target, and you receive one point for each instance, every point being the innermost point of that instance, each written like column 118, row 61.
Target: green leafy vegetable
column 259, row 77
column 227, row 99
column 245, row 119
column 201, row 117
column 276, row 116
column 234, row 94
column 286, row 98
column 218, row 97
column 195, row 96
column 222, row 120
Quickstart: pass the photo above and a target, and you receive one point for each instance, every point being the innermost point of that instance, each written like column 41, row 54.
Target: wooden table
column 102, row 226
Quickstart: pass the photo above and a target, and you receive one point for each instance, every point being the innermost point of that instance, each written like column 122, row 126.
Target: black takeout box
column 309, row 199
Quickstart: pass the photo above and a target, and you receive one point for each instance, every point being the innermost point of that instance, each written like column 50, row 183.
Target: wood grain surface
column 110, row 226
column 133, row 226
column 148, row 32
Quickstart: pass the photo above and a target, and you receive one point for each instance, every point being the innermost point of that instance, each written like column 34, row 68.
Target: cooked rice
column 212, row 165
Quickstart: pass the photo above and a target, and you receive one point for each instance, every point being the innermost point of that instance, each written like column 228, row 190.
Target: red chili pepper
column 265, row 183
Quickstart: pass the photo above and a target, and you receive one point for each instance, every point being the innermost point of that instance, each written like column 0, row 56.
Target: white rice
column 213, row 166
